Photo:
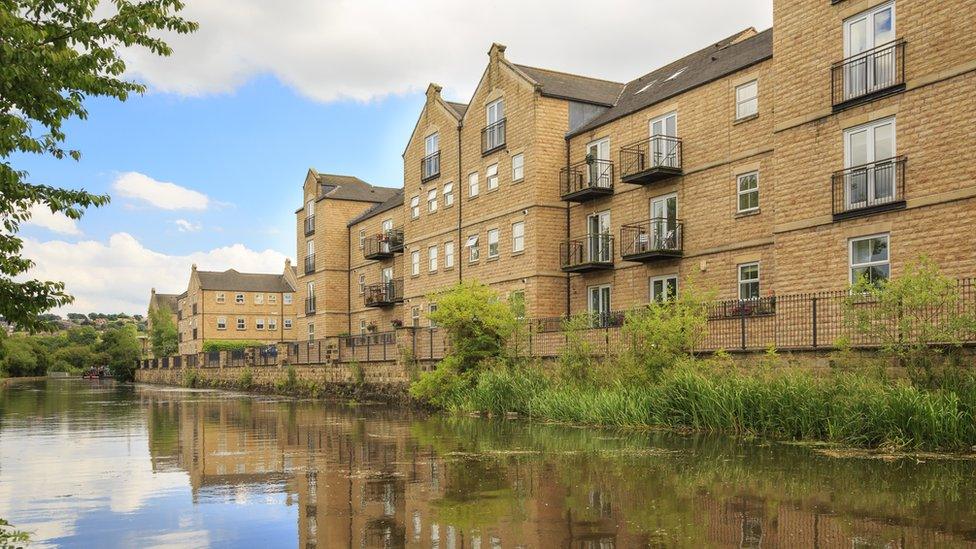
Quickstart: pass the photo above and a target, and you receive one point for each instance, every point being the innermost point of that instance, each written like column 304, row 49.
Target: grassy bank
column 847, row 408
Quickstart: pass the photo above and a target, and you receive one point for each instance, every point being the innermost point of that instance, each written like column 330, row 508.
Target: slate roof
column 701, row 67
column 459, row 108
column 573, row 86
column 170, row 300
column 393, row 202
column 232, row 280
column 348, row 187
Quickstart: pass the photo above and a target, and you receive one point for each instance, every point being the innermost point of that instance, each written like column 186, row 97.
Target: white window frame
column 362, row 284
column 518, row 237
column 431, row 144
column 362, row 326
column 491, row 176
column 272, row 323
column 415, row 315
column 362, row 238
column 739, row 269
column 239, row 299
column 474, row 252
column 432, row 259
column 241, row 323
column 449, row 254
column 311, row 331
column 740, row 192
column 414, row 207
column 415, row 263
column 870, row 176
column 221, row 322
column 518, row 167
column 853, row 74
column 432, row 200
column 259, row 298
column 493, row 238
column 431, row 307
column 495, row 111
column 287, row 323
column 259, row 323
column 850, row 255
column 474, row 187
column 221, row 297
column 448, row 194
column 741, row 101
column 272, row 299
column 664, row 286
column 287, row 298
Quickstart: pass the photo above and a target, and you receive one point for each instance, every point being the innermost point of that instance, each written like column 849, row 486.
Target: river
column 99, row 464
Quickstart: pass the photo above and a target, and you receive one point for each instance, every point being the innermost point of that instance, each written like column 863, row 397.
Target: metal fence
column 373, row 347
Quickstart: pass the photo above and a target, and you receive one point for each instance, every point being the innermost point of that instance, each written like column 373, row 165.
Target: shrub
column 576, row 360
column 246, row 379
column 356, row 369
column 478, row 324
column 231, row 344
column 19, row 358
column 191, row 378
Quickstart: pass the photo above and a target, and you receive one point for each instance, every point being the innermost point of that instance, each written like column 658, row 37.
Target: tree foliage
column 163, row 337
column 55, row 55
column 120, row 349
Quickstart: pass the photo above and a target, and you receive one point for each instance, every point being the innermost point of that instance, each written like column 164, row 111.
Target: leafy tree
column 121, row 349
column 80, row 357
column 163, row 337
column 82, row 335
column 76, row 316
column 54, row 56
column 19, row 358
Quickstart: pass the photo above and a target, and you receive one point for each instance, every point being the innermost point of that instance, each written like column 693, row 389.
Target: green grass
column 845, row 408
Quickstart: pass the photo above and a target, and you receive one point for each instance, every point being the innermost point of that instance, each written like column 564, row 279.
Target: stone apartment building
column 230, row 305
column 766, row 162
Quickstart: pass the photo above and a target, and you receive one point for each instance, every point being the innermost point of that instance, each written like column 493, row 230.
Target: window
column 287, row 323
column 415, row 262
column 495, row 111
column 415, row 316
column 272, row 299
column 259, row 299
column 472, row 244
column 493, row 243
column 241, row 323
column 362, row 284
column 431, row 163
column 518, row 167
column 448, row 195
column 748, row 191
column 598, row 305
column 258, row 323
column 869, row 179
column 870, row 259
column 386, row 275
column 362, row 238
column 749, row 281
column 287, row 299
column 310, row 288
column 747, row 100
column 362, row 326
column 415, row 207
column 310, row 208
column 272, row 323
column 518, row 236
column 494, row 135
column 221, row 322
column 875, row 67
column 311, row 331
column 221, row 297
column 664, row 288
column 432, row 308
column 432, row 200
column 239, row 299
column 473, row 184
column 491, row 174
column 448, row 254
column 432, row 258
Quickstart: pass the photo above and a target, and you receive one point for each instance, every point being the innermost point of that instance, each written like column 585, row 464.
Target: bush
column 245, row 381
column 20, row 359
column 191, row 378
column 576, row 360
column 231, row 344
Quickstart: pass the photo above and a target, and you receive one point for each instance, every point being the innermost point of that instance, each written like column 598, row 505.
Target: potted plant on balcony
column 396, row 323
column 371, row 327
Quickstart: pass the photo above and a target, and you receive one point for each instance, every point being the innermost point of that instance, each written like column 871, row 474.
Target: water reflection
column 109, row 465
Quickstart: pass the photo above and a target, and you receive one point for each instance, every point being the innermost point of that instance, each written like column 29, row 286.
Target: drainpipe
column 568, row 236
column 458, row 254
column 348, row 279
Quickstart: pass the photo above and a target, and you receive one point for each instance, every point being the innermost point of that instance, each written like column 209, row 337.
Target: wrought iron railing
column 493, row 137
column 658, row 152
column 310, row 225
column 430, row 167
column 590, row 249
column 867, row 74
column 591, row 175
column 310, row 305
column 658, row 235
column 384, row 293
column 310, row 264
column 383, row 244
column 875, row 186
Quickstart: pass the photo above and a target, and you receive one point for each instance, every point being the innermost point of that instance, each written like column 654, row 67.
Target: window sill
column 514, row 181
column 447, row 269
column 518, row 253
column 495, row 190
column 745, row 119
column 495, row 258
column 748, row 213
column 473, row 196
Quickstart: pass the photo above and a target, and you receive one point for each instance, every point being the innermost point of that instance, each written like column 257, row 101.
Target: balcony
column 591, row 252
column 310, row 225
column 868, row 189
column 650, row 160
column 868, row 75
column 586, row 181
column 493, row 137
column 430, row 167
column 310, row 305
column 384, row 294
column 656, row 238
column 383, row 245
column 310, row 264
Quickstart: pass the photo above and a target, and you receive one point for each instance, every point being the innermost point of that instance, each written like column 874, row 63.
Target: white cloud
column 161, row 194
column 42, row 216
column 187, row 226
column 366, row 49
column 116, row 276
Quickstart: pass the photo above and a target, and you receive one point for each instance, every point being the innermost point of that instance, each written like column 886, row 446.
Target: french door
column 869, row 152
column 663, row 130
column 868, row 69
column 664, row 222
column 598, row 233
column 598, row 303
column 387, row 231
column 598, row 174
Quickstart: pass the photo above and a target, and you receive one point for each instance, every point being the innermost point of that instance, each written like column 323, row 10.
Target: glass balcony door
column 868, row 180
column 664, row 222
column 663, row 147
column 598, row 233
column 597, row 173
column 868, row 69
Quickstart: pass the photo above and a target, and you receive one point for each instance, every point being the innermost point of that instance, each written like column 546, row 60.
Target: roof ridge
column 573, row 74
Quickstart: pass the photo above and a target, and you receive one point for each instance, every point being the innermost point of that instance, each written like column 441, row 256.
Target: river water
column 98, row 464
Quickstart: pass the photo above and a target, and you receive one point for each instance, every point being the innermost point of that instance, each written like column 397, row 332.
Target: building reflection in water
column 373, row 477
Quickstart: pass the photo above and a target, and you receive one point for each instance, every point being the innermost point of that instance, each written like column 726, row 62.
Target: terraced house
column 765, row 163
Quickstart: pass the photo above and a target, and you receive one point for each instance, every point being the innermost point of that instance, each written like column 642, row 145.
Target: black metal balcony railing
column 650, row 160
column 310, row 225
column 586, row 253
column 430, row 167
column 383, row 294
column 868, row 75
column 586, row 180
column 383, row 245
column 310, row 264
column 493, row 137
column 656, row 238
column 870, row 188
column 310, row 305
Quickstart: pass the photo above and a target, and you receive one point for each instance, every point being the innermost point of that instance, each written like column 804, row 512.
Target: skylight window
column 644, row 89
column 675, row 75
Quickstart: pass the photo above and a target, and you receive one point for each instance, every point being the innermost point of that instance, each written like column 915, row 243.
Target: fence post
column 530, row 342
column 814, row 322
column 742, row 324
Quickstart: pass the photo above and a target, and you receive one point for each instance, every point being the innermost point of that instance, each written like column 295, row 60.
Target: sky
column 207, row 166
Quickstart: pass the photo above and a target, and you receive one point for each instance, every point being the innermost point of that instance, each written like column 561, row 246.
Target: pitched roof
column 459, row 108
column 573, row 86
column 701, row 67
column 243, row 282
column 157, row 300
column 348, row 187
column 394, row 201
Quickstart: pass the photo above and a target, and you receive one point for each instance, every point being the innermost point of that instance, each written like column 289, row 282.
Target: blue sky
column 207, row 167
